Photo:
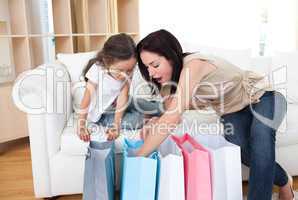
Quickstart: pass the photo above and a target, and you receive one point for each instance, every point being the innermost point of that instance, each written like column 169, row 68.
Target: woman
column 239, row 98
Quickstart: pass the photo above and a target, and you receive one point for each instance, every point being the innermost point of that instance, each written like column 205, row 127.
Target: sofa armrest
column 44, row 94
column 45, row 89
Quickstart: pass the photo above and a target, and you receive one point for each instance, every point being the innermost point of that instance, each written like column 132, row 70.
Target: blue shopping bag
column 139, row 174
column 99, row 171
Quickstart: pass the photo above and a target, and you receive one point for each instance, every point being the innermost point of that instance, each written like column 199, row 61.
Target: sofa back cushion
column 75, row 63
column 238, row 57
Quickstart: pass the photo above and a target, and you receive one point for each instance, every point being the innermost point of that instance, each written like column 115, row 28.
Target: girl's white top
column 107, row 90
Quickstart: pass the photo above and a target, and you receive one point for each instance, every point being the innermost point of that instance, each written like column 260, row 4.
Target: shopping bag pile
column 182, row 168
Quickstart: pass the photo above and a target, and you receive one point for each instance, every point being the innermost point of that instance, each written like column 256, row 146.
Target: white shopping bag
column 225, row 165
column 171, row 174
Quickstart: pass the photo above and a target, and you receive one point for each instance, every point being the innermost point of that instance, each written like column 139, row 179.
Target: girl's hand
column 84, row 134
column 113, row 133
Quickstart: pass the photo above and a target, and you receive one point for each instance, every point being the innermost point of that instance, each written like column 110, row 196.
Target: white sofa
column 57, row 153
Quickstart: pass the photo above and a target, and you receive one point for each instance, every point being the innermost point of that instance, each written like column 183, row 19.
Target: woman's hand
column 167, row 102
column 144, row 131
column 84, row 134
column 113, row 133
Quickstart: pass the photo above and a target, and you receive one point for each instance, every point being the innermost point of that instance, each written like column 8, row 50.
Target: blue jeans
column 256, row 137
column 133, row 117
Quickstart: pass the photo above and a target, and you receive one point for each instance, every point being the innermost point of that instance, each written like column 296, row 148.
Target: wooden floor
column 16, row 175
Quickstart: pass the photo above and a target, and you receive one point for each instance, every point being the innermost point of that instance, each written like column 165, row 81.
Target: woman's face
column 159, row 68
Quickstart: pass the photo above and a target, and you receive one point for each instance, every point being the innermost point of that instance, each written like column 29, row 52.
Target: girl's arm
column 190, row 77
column 122, row 101
column 121, row 106
column 82, row 131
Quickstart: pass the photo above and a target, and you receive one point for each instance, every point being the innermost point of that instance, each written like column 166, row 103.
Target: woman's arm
column 190, row 77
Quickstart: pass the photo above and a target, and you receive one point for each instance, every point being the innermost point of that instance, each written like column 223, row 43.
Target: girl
column 107, row 76
column 253, row 110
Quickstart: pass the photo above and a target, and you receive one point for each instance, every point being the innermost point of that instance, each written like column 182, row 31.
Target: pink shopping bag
column 197, row 168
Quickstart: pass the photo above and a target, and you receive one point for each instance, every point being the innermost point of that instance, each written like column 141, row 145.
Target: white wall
column 283, row 34
column 3, row 11
column 5, row 50
column 297, row 26
column 231, row 24
column 226, row 24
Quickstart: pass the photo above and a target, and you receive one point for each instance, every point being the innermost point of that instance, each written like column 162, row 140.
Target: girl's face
column 159, row 68
column 122, row 69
